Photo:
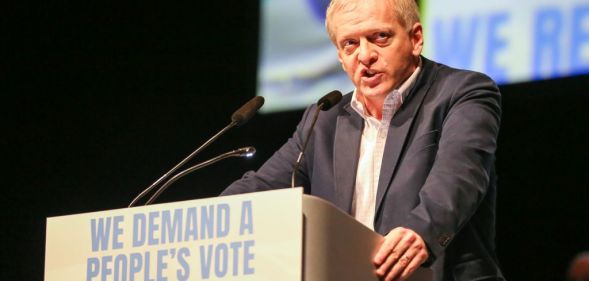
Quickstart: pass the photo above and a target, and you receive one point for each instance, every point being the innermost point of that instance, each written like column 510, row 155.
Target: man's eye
column 348, row 43
column 348, row 46
column 382, row 35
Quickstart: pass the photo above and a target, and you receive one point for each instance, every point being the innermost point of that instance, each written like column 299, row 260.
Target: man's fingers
column 391, row 240
column 400, row 254
column 396, row 254
column 407, row 263
column 413, row 258
column 398, row 268
column 411, row 267
column 388, row 263
column 419, row 258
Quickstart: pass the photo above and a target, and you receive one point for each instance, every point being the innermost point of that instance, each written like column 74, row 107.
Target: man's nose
column 367, row 55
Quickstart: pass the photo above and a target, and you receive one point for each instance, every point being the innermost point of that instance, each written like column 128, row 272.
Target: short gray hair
column 406, row 11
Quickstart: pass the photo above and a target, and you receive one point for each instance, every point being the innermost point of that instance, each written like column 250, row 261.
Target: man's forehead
column 363, row 19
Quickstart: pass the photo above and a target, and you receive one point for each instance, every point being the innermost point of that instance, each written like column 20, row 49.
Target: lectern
column 274, row 235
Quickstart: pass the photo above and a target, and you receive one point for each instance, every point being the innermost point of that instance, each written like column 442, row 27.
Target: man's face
column 375, row 50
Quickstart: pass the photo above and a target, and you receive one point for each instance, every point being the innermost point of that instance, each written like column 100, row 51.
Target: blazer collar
column 348, row 135
column 401, row 126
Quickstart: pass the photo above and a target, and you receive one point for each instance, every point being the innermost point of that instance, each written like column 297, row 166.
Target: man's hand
column 400, row 254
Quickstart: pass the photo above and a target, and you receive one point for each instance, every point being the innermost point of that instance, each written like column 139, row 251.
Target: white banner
column 255, row 236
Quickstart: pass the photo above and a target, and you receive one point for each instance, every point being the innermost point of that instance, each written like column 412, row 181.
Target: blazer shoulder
column 457, row 76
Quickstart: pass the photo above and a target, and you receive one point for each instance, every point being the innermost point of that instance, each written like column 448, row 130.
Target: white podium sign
column 254, row 236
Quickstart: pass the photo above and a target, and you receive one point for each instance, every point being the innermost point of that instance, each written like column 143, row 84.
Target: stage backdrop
column 530, row 40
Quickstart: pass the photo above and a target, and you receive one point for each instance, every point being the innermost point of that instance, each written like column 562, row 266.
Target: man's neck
column 373, row 105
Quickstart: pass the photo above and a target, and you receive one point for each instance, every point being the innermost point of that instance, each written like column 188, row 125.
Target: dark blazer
column 437, row 176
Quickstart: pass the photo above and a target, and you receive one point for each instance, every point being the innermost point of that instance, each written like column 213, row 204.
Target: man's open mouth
column 369, row 73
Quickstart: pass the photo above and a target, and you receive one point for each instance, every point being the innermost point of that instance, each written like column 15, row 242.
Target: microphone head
column 247, row 111
column 329, row 100
column 247, row 151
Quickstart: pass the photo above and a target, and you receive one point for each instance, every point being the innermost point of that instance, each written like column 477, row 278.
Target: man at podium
column 409, row 152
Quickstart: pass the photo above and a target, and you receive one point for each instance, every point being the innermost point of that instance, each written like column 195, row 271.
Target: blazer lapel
column 346, row 147
column 399, row 129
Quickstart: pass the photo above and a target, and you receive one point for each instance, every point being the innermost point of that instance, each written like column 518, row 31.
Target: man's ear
column 416, row 35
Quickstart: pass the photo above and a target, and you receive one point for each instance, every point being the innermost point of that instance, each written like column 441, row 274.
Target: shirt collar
column 403, row 90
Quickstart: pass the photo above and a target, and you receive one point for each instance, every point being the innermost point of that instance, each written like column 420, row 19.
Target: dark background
column 100, row 99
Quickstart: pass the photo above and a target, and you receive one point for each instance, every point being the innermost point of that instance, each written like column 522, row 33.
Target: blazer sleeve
column 461, row 173
column 276, row 172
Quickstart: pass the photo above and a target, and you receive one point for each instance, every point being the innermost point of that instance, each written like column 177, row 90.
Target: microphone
column 247, row 111
column 246, row 152
column 329, row 100
column 239, row 117
column 324, row 104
